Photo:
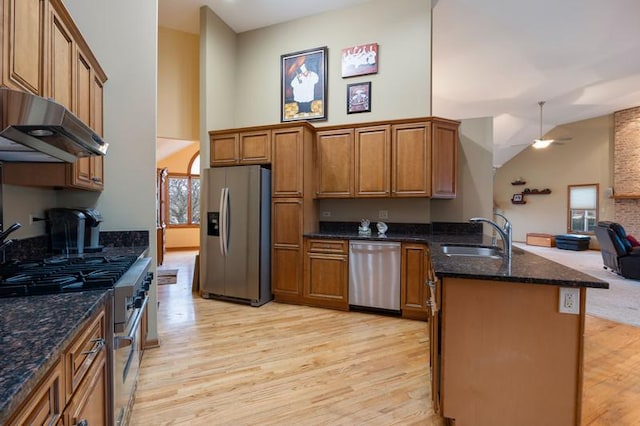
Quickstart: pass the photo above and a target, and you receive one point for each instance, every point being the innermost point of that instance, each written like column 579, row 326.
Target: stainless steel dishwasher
column 374, row 275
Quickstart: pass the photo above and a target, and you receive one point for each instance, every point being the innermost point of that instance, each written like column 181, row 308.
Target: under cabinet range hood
column 35, row 129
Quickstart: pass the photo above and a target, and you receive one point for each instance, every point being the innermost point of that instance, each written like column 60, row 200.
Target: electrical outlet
column 326, row 214
column 569, row 300
column 383, row 214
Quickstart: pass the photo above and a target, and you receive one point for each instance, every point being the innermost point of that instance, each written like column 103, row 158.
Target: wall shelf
column 626, row 197
column 519, row 198
column 536, row 192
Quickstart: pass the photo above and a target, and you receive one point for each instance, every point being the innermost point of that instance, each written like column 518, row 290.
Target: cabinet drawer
column 83, row 351
column 328, row 246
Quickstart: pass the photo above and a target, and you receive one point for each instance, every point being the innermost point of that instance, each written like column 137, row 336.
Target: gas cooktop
column 62, row 274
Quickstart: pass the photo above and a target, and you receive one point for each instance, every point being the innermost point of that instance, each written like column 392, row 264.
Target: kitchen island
column 506, row 341
column 502, row 353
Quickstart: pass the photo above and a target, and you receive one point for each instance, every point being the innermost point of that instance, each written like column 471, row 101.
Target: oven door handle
column 124, row 341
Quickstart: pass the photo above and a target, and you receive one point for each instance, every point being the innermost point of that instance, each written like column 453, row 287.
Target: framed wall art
column 359, row 97
column 360, row 60
column 303, row 79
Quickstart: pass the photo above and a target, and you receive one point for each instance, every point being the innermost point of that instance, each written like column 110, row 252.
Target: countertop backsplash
column 39, row 247
column 435, row 228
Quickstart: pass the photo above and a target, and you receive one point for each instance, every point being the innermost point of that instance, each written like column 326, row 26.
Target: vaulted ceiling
column 495, row 58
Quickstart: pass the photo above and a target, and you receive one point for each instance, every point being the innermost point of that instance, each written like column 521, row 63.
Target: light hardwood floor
column 226, row 364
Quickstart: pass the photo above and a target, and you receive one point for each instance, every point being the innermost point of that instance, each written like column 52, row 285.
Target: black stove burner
column 60, row 275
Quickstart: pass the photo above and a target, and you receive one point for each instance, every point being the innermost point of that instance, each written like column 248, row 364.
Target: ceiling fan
column 541, row 142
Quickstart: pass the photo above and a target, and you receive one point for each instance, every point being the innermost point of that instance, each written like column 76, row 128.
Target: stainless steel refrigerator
column 235, row 262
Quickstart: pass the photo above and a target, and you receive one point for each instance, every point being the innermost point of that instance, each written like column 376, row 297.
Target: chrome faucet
column 504, row 231
column 9, row 230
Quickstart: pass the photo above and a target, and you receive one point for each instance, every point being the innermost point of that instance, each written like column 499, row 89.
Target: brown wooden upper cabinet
column 444, row 154
column 334, row 155
column 23, row 45
column 291, row 169
column 401, row 158
column 48, row 56
column 231, row 149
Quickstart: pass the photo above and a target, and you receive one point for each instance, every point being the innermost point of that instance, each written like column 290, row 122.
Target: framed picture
column 359, row 97
column 303, row 79
column 517, row 198
column 360, row 60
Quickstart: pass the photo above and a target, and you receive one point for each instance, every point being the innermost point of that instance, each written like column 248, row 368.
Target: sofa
column 618, row 254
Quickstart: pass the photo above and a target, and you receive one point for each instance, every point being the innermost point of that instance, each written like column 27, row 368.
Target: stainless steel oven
column 127, row 347
column 129, row 307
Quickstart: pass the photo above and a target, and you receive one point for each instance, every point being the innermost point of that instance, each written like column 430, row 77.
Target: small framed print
column 517, row 198
column 360, row 60
column 359, row 97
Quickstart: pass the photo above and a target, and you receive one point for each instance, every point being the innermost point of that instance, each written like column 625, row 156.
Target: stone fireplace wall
column 626, row 170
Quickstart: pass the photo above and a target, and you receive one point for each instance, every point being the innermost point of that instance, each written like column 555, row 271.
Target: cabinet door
column 287, row 171
column 89, row 403
column 23, row 29
column 411, row 160
column 373, row 161
column 255, row 147
column 82, row 108
column 97, row 124
column 414, row 273
column 223, row 149
column 326, row 274
column 62, row 62
column 45, row 404
column 444, row 160
column 286, row 237
column 334, row 163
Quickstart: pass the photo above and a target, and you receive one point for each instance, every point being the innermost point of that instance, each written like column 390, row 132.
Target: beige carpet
column 167, row 276
column 620, row 303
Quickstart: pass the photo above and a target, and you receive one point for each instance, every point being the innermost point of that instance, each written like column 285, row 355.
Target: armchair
column 617, row 253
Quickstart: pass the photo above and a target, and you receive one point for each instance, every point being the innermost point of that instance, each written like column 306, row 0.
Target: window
column 583, row 208
column 184, row 195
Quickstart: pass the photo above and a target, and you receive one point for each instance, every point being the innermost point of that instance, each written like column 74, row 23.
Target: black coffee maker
column 74, row 231
column 66, row 228
column 92, row 221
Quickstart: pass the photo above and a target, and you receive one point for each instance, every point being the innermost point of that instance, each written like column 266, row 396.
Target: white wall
column 123, row 36
column 586, row 159
column 178, row 85
column 217, row 78
column 400, row 89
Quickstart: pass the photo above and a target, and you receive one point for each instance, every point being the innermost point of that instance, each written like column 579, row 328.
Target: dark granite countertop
column 525, row 267
column 33, row 332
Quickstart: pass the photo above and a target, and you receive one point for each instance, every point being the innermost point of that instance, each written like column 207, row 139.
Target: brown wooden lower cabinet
column 326, row 273
column 89, row 402
column 44, row 406
column 414, row 273
column 286, row 254
column 508, row 356
column 76, row 387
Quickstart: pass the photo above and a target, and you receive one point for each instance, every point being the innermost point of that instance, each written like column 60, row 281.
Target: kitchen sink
column 473, row 251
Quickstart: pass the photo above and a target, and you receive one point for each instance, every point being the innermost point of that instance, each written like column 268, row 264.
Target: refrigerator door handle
column 225, row 223
column 222, row 220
